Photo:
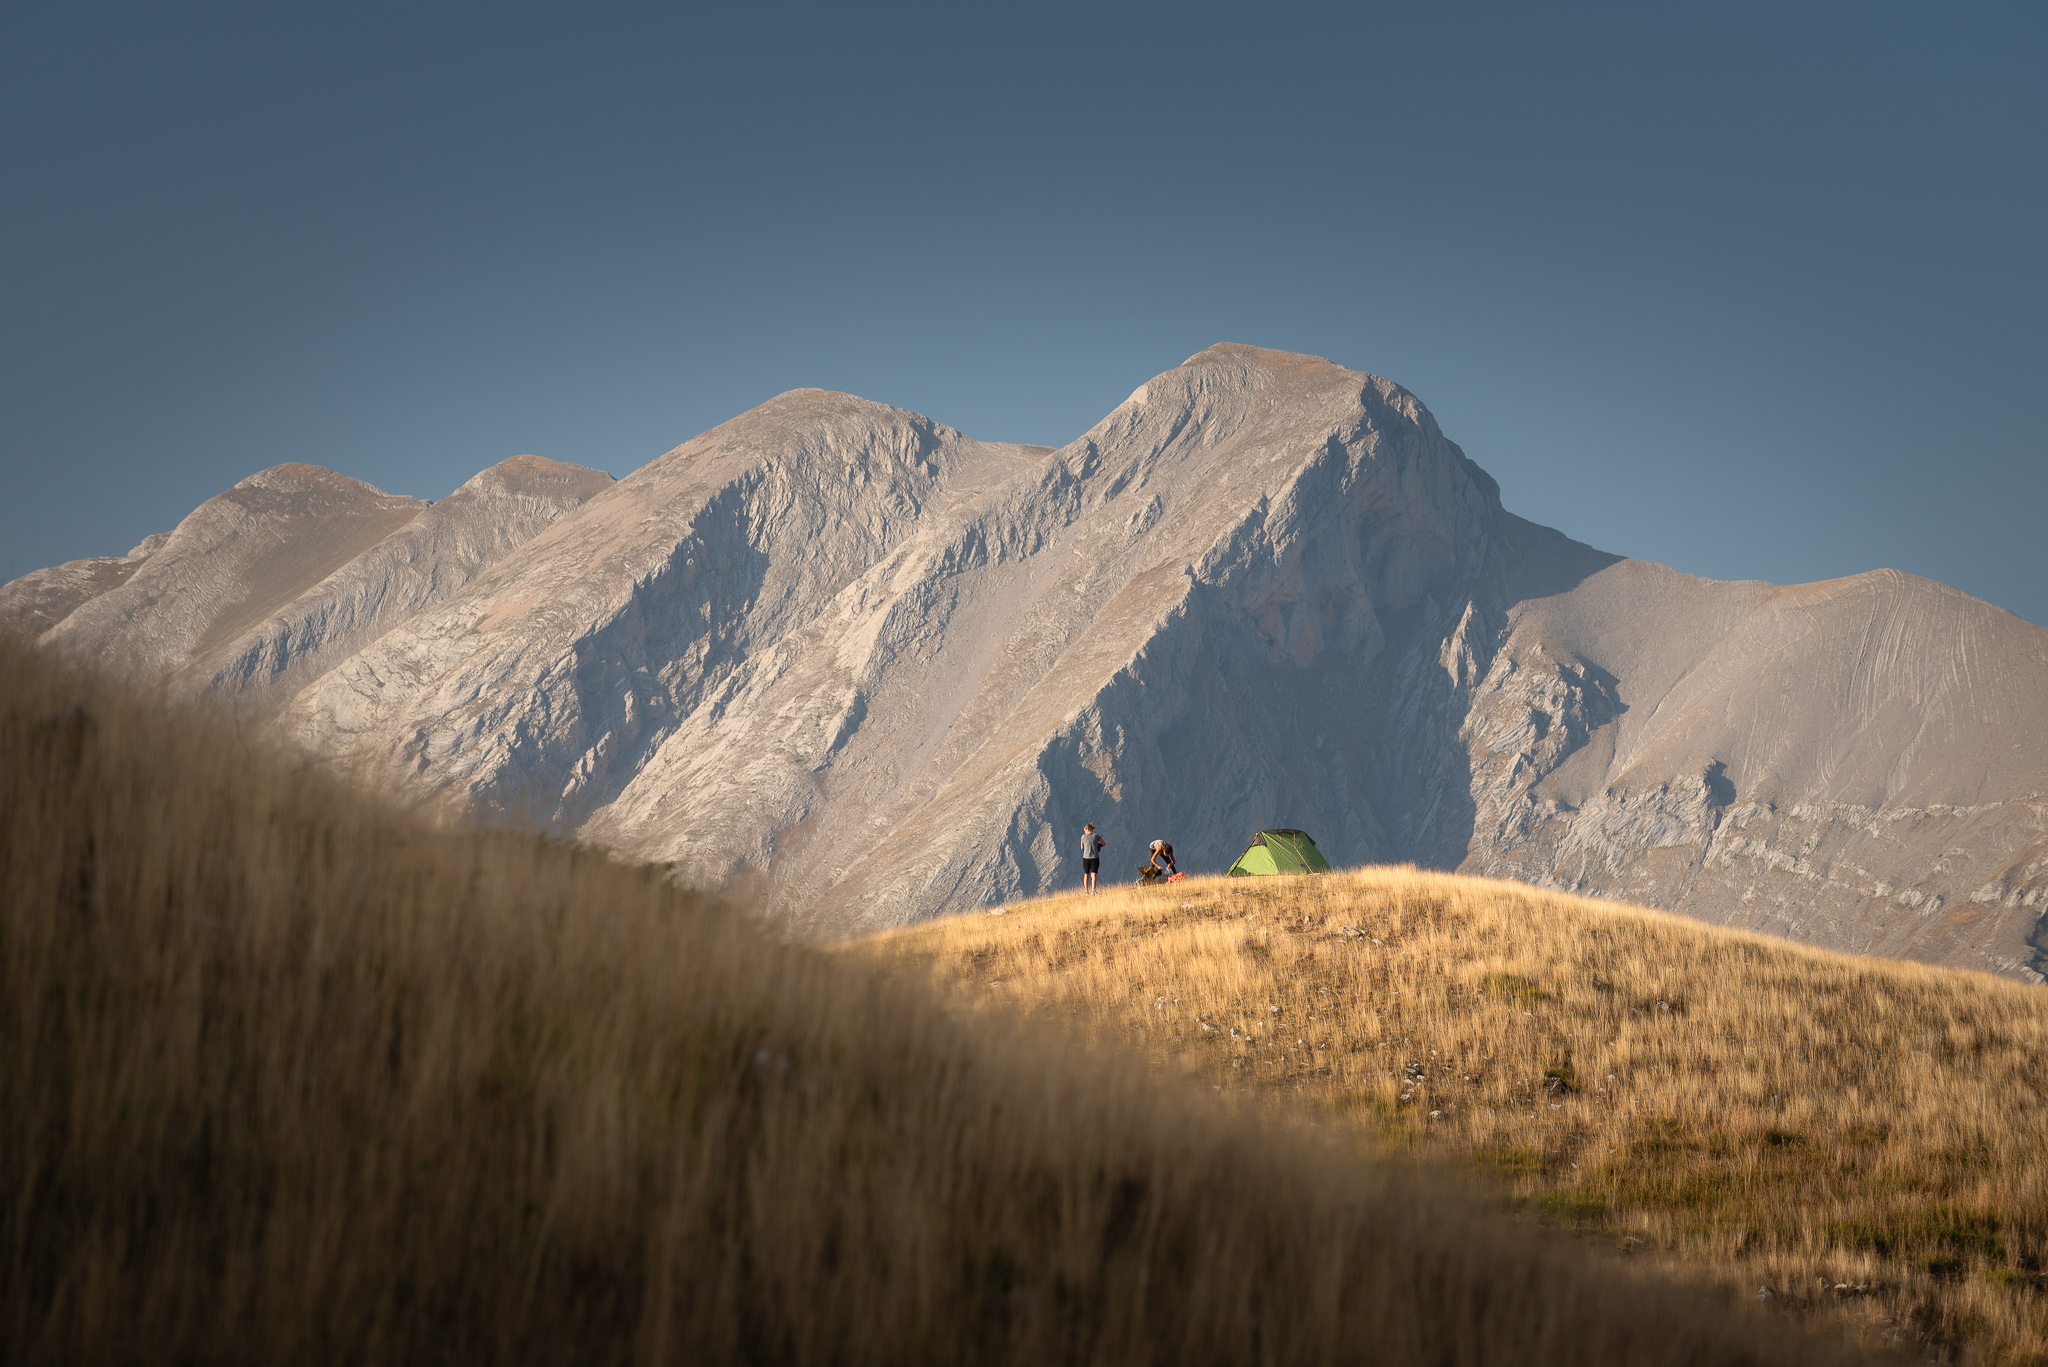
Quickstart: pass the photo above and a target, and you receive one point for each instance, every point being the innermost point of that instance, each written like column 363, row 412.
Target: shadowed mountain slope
column 874, row 671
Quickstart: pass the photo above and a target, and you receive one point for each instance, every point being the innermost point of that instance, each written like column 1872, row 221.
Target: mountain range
column 850, row 663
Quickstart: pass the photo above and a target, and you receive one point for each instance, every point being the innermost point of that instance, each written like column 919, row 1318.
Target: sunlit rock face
column 866, row 669
column 266, row 587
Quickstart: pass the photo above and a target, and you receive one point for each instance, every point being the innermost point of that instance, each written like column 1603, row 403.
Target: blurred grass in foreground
column 1859, row 1138
column 288, row 1077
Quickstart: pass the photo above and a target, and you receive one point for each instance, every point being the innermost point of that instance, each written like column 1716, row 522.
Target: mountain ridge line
column 872, row 670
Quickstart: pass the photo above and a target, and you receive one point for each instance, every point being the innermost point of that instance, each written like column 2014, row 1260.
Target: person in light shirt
column 1162, row 866
column 1091, row 856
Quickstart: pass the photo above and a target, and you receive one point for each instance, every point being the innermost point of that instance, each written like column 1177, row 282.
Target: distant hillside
column 1854, row 1140
column 285, row 1078
column 872, row 670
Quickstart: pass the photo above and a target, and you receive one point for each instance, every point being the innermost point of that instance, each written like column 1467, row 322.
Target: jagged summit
column 870, row 669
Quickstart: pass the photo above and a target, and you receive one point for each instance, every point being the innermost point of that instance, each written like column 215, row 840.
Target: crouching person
column 1160, row 867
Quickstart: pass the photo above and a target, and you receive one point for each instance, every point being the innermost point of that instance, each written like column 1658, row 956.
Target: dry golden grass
column 286, row 1077
column 1859, row 1137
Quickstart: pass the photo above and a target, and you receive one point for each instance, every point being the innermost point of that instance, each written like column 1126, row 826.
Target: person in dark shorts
column 1091, row 856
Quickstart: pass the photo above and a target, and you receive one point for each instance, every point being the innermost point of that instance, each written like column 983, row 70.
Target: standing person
column 1091, row 855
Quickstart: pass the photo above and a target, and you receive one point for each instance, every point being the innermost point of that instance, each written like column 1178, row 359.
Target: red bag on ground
column 1175, row 877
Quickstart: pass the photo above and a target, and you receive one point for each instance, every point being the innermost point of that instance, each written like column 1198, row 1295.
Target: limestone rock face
column 865, row 669
column 1858, row 763
column 232, row 561
column 37, row 601
column 425, row 561
column 271, row 583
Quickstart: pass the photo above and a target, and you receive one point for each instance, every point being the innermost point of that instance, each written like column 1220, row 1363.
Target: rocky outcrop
column 867, row 670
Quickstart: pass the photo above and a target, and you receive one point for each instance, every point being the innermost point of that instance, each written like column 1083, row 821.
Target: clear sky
column 1756, row 292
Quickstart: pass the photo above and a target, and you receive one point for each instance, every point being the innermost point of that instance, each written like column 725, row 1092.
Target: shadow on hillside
column 1541, row 562
column 1425, row 680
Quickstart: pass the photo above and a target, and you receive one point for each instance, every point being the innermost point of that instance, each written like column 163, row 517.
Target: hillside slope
column 1861, row 1140
column 872, row 671
column 285, row 1077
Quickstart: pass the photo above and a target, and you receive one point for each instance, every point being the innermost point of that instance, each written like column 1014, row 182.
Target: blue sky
column 1756, row 292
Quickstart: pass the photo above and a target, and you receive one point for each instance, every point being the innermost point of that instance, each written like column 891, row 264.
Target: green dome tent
column 1280, row 852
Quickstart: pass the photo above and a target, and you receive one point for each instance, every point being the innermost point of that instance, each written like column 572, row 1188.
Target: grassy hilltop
column 286, row 1076
column 1861, row 1138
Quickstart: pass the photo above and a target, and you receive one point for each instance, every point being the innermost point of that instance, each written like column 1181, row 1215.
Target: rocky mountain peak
column 865, row 669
